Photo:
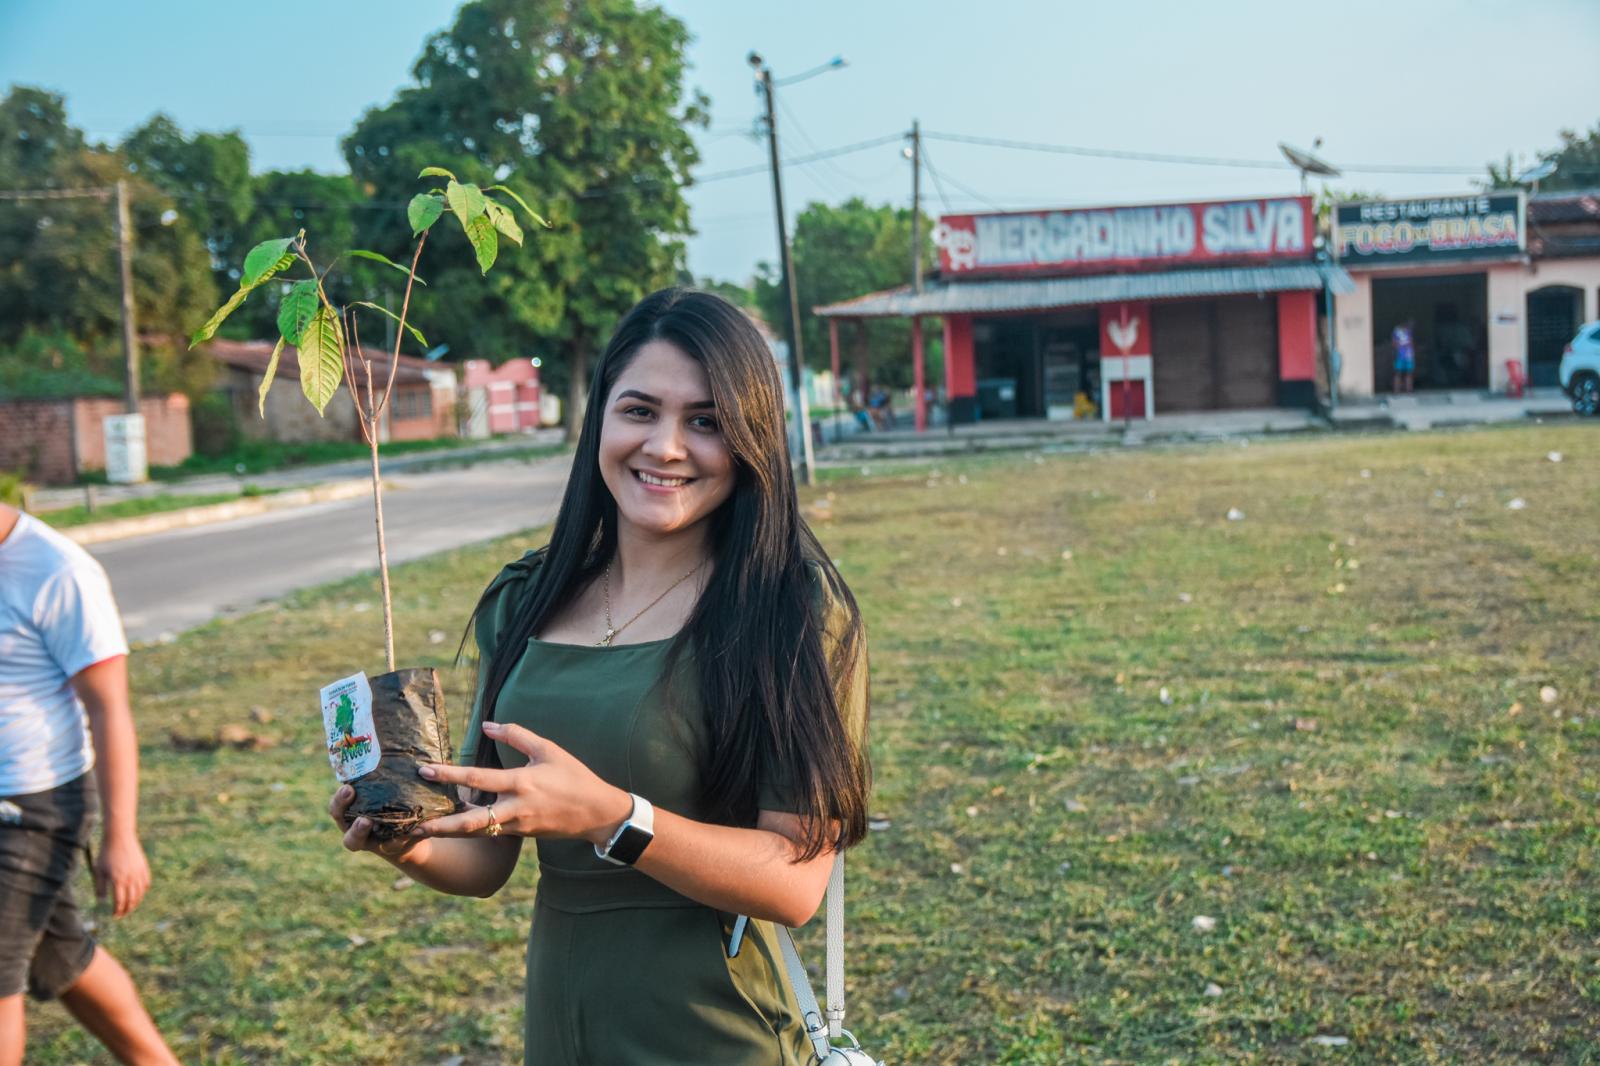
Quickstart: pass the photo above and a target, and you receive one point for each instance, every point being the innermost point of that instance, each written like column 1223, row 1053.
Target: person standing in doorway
column 63, row 713
column 1405, row 355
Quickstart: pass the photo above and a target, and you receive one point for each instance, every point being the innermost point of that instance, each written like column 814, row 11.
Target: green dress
column 622, row 969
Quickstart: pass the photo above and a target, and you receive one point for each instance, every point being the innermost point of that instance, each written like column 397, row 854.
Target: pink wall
column 1297, row 336
column 512, row 389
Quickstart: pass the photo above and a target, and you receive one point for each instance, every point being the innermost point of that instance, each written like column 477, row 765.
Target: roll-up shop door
column 1183, row 353
column 1247, row 352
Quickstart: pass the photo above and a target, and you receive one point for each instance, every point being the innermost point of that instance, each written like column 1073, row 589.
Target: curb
column 122, row 528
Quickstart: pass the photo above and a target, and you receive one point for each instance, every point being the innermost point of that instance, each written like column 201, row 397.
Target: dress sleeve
column 499, row 602
column 847, row 664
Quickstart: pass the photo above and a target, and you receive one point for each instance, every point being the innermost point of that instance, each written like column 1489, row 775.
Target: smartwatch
column 632, row 837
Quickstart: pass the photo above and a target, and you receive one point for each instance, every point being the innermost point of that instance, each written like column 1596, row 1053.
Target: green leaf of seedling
column 296, row 311
column 265, row 260
column 266, row 379
column 538, row 220
column 503, row 222
column 436, row 172
column 205, row 332
column 465, row 200
column 485, row 245
column 413, row 330
column 321, row 352
column 385, row 260
column 423, row 211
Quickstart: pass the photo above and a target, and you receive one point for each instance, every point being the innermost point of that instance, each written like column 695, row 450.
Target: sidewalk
column 1459, row 407
column 51, row 499
column 1419, row 411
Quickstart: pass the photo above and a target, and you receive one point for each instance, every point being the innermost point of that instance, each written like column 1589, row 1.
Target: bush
column 216, row 427
column 14, row 490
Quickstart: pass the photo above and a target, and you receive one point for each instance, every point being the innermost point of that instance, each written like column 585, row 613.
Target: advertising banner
column 1099, row 240
column 1430, row 229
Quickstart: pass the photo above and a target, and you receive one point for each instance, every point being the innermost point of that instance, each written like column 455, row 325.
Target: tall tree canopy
column 58, row 257
column 1577, row 164
column 841, row 252
column 579, row 106
column 208, row 175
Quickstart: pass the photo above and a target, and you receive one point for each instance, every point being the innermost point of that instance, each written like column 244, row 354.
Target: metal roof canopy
column 1040, row 294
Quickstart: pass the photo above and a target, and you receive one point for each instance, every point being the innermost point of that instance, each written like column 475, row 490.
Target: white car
column 1580, row 370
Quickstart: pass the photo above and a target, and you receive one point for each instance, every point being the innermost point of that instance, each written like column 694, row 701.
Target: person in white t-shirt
column 64, row 712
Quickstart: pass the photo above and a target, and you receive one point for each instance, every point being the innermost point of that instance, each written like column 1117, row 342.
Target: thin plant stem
column 400, row 330
column 369, row 419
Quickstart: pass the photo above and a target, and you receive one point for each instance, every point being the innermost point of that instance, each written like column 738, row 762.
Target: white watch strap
column 821, row 1028
column 643, row 816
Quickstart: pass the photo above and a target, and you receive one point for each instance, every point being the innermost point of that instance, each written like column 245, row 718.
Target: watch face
column 630, row 844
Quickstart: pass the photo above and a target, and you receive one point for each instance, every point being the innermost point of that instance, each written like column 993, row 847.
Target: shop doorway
column 1069, row 365
column 1213, row 355
column 1554, row 314
column 1036, row 366
column 1449, row 315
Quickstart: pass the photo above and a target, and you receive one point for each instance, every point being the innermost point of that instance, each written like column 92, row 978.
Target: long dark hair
column 772, row 697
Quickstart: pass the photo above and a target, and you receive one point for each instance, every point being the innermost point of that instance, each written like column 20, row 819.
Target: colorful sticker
column 347, row 719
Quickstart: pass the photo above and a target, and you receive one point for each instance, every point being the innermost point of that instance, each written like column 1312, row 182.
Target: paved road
column 168, row 582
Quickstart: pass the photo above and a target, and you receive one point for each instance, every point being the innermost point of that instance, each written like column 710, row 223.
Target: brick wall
column 36, row 439
column 168, row 437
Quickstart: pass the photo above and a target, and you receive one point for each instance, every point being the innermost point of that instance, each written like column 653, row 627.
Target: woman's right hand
column 358, row 833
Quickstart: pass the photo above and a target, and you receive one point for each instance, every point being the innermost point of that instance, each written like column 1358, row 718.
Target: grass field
column 79, row 515
column 1356, row 729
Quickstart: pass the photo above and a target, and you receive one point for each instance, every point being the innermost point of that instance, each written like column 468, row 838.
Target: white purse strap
column 822, row 1027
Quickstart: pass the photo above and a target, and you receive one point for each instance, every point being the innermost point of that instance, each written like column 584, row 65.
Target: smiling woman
column 673, row 693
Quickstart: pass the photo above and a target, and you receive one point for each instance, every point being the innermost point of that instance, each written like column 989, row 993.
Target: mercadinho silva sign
column 1432, row 228
column 1120, row 238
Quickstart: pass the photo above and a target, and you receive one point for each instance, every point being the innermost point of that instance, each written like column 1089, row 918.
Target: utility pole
column 919, row 381
column 916, row 206
column 791, row 296
column 130, row 331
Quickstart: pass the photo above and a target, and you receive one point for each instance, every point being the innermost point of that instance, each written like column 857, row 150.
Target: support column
column 960, row 370
column 919, row 381
column 833, row 362
column 1297, row 349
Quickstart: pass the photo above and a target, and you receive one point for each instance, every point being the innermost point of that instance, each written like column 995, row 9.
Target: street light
column 765, row 84
column 833, row 64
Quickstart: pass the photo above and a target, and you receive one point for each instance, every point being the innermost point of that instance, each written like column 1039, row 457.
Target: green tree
column 208, row 175
column 735, row 293
column 577, row 104
column 58, row 257
column 841, row 252
column 327, row 205
column 1577, row 164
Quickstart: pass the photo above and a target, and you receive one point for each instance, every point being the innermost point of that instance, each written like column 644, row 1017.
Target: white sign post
column 125, row 452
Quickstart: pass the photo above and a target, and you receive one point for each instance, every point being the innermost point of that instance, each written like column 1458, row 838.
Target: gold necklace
column 613, row 630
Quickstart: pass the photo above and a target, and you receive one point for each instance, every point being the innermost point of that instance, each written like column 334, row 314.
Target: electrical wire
column 1191, row 160
column 982, row 199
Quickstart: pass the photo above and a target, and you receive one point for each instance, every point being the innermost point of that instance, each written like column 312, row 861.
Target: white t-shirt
column 57, row 616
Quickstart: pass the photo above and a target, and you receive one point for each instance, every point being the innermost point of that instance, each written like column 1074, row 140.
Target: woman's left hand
column 554, row 795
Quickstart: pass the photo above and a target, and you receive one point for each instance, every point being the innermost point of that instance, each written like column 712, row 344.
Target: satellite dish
column 1536, row 173
column 1306, row 163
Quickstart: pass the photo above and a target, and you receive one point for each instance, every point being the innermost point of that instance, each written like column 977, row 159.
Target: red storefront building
column 1156, row 308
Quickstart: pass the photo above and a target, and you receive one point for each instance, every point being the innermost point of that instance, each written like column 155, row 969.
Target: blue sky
column 1417, row 82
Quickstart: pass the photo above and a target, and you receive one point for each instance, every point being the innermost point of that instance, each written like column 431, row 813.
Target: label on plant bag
column 347, row 720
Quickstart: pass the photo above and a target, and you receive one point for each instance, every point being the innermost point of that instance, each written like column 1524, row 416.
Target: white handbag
column 824, row 1033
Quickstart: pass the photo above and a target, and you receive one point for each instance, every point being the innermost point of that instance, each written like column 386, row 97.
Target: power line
column 1191, row 160
column 795, row 161
column 978, row 196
